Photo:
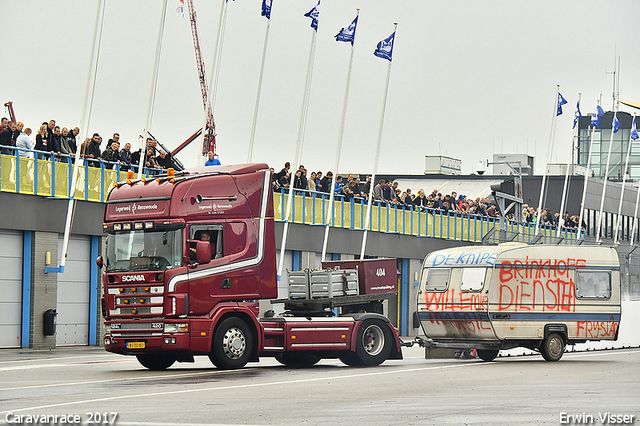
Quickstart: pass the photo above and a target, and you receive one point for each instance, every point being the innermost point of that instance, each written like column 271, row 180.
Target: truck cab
column 189, row 255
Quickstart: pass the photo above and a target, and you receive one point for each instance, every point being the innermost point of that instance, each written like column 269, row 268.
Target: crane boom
column 209, row 143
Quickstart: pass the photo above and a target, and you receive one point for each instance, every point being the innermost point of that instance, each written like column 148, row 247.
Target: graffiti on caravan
column 486, row 258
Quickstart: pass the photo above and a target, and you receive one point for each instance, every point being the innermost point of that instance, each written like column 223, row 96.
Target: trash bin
column 50, row 322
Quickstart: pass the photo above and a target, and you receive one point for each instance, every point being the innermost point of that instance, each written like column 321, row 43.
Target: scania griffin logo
column 129, row 278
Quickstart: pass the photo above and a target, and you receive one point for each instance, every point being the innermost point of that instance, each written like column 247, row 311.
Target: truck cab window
column 211, row 233
column 437, row 279
column 593, row 285
column 144, row 250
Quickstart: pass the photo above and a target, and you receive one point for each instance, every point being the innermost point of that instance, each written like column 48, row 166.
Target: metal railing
column 310, row 208
column 43, row 177
column 50, row 175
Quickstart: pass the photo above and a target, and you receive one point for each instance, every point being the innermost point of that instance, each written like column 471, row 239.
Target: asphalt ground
column 518, row 389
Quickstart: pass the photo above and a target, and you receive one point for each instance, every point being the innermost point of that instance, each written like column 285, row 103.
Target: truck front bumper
column 174, row 342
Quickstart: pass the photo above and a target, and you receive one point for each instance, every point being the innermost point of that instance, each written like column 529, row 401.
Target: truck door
column 205, row 280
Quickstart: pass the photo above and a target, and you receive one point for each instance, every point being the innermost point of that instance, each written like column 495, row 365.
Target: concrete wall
column 44, row 288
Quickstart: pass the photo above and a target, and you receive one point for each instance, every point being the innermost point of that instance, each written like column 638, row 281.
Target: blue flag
column 313, row 14
column 348, row 34
column 561, row 101
column 616, row 123
column 577, row 116
column 634, row 132
column 595, row 118
column 266, row 8
column 384, row 49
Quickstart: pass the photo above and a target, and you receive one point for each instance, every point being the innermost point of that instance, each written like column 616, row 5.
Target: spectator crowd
column 54, row 142
column 388, row 193
column 60, row 144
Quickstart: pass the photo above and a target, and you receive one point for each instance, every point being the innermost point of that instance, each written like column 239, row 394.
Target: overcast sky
column 468, row 78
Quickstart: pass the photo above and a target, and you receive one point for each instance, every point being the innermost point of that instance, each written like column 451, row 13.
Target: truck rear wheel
column 552, row 348
column 155, row 362
column 487, row 354
column 373, row 342
column 232, row 344
column 297, row 360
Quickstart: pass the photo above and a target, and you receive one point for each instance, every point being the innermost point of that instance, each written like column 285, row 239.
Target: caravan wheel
column 487, row 354
column 552, row 348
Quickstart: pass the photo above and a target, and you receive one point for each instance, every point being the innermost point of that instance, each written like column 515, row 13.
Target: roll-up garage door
column 10, row 288
column 73, row 293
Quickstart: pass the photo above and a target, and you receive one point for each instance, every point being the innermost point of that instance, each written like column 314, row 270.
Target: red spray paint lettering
column 596, row 329
column 538, row 285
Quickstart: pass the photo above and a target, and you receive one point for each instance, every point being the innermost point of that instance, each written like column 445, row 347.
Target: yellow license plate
column 135, row 345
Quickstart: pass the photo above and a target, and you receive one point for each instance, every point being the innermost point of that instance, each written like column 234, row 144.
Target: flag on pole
column 314, row 14
column 561, row 101
column 348, row 34
column 180, row 9
column 266, row 8
column 616, row 123
column 578, row 115
column 384, row 49
column 634, row 132
column 595, row 118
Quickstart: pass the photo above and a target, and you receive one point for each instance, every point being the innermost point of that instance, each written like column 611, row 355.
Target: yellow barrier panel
column 7, row 173
column 62, row 180
column 26, row 175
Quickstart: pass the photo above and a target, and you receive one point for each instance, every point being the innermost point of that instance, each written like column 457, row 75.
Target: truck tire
column 373, row 342
column 487, row 354
column 552, row 348
column 351, row 359
column 155, row 362
column 232, row 344
column 297, row 360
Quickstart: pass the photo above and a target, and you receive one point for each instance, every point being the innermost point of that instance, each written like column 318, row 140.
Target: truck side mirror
column 100, row 262
column 203, row 252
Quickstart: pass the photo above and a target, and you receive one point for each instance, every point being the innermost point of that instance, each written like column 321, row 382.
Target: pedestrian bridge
column 54, row 178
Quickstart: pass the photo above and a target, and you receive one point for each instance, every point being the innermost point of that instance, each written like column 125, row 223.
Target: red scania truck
column 189, row 254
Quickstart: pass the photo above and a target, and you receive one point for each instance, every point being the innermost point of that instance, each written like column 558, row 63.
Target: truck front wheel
column 373, row 342
column 155, row 362
column 232, row 344
column 552, row 348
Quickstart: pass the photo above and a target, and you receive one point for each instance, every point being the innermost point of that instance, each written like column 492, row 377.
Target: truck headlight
column 176, row 327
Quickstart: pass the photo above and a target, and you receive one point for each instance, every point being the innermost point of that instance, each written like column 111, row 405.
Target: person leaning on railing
column 24, row 141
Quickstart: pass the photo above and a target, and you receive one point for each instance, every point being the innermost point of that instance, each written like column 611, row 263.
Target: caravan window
column 472, row 279
column 593, row 285
column 438, row 279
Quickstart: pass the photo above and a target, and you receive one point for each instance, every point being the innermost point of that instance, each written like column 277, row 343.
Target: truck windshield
column 144, row 250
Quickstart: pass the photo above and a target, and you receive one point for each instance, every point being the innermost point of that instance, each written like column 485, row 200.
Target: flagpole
column 255, row 110
column 586, row 176
column 152, row 94
column 377, row 157
column 329, row 214
column 213, row 84
column 566, row 176
column 606, row 178
column 93, row 68
column 549, row 149
column 299, row 143
column 624, row 180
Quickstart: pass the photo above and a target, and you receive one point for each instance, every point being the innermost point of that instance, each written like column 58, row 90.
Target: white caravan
column 515, row 295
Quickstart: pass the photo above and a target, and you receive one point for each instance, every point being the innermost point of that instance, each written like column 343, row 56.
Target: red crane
column 210, row 127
